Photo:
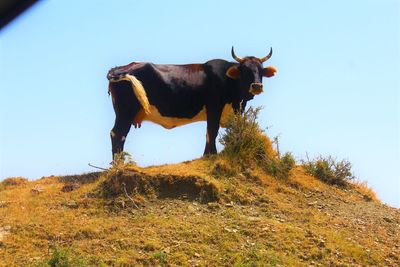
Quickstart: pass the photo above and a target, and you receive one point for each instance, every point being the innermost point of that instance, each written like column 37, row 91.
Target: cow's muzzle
column 256, row 88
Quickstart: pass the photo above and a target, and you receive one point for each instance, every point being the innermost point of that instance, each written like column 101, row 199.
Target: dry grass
column 257, row 220
column 368, row 193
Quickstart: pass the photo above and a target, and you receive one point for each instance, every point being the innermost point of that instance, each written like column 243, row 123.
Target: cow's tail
column 138, row 90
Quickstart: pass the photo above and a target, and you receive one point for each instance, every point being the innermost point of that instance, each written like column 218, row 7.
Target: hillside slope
column 196, row 213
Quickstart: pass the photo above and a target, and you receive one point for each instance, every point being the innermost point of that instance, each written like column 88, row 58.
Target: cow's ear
column 269, row 71
column 233, row 72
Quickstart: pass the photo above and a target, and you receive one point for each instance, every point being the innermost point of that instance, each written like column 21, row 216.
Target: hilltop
column 247, row 206
column 196, row 213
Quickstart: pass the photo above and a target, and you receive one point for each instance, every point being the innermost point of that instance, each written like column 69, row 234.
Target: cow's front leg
column 213, row 118
column 118, row 135
column 239, row 106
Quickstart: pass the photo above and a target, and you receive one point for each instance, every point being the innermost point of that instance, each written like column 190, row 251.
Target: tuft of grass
column 367, row 192
column 245, row 144
column 222, row 168
column 160, row 257
column 123, row 161
column 63, row 257
column 329, row 170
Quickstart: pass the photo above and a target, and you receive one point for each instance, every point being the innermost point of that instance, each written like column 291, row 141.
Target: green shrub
column 245, row 144
column 243, row 139
column 287, row 162
column 329, row 170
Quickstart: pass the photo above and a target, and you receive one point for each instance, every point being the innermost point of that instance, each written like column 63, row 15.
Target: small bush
column 288, row 161
column 245, row 144
column 329, row 170
column 243, row 138
column 280, row 167
column 14, row 181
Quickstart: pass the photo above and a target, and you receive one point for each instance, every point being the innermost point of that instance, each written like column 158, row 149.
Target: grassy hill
column 194, row 214
column 248, row 206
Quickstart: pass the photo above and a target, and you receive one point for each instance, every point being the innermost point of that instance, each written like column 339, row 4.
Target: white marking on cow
column 172, row 122
column 112, row 134
column 123, row 138
column 138, row 89
column 255, row 92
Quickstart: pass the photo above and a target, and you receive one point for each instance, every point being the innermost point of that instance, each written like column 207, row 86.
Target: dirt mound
column 81, row 178
column 160, row 186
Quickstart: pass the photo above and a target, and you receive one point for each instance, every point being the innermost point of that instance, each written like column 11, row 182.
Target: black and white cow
column 174, row 95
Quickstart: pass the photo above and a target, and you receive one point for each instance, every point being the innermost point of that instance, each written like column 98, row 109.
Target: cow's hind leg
column 126, row 107
column 118, row 134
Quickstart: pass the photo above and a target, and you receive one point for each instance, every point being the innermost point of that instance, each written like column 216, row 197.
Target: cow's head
column 249, row 73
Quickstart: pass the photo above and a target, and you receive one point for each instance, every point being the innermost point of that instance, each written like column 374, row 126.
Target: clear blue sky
column 336, row 91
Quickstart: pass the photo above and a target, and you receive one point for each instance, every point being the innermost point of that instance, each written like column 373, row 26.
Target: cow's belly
column 171, row 122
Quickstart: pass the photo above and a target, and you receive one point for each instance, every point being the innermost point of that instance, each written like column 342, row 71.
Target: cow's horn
column 263, row 59
column 238, row 59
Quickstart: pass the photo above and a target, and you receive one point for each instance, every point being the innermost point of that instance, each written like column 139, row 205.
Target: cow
column 175, row 95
